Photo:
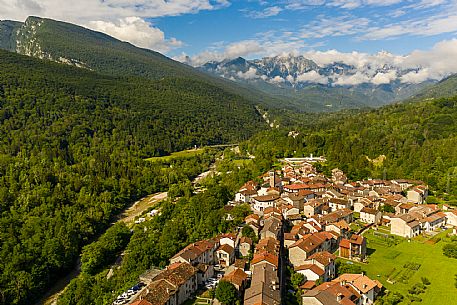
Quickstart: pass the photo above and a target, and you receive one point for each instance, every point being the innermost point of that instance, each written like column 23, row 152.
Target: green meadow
column 179, row 154
column 399, row 264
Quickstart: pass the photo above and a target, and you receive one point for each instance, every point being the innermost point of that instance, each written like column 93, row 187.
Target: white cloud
column 277, row 80
column 113, row 17
column 250, row 74
column 351, row 80
column 312, row 77
column 414, row 77
column 436, row 63
column 138, row 32
column 421, row 27
column 267, row 12
column 384, row 78
column 89, row 10
column 233, row 50
column 325, row 26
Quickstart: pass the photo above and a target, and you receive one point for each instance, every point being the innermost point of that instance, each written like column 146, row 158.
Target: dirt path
column 128, row 216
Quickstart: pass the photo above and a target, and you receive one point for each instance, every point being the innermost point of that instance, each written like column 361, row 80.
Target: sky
column 409, row 33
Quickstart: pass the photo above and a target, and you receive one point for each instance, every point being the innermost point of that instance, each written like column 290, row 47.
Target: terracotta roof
column 237, row 277
column 296, row 186
column 314, row 268
column 356, row 239
column 308, row 285
column 226, row 248
column 266, row 198
column 265, row 256
column 324, row 257
column 308, row 243
column 345, row 243
column 194, row 250
column 141, row 302
column 369, row 211
column 253, row 217
column 270, row 245
column 305, row 192
column 159, row 292
column 245, row 239
column 289, row 236
column 361, row 282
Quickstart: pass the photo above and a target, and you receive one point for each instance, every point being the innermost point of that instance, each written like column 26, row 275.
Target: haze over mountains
column 334, row 85
column 292, row 82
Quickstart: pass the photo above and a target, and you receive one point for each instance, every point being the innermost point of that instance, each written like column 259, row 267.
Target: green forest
column 406, row 140
column 74, row 144
column 72, row 150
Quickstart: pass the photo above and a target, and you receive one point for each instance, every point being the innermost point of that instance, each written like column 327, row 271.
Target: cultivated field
column 400, row 264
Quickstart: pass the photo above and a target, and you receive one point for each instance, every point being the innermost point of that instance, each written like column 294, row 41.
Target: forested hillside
column 72, row 144
column 445, row 88
column 78, row 46
column 415, row 140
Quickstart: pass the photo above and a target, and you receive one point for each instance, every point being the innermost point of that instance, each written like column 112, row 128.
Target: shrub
column 425, row 281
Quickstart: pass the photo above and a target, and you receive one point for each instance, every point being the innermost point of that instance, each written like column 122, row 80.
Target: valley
column 121, row 166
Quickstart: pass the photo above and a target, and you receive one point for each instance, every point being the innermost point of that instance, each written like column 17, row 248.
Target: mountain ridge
column 298, row 77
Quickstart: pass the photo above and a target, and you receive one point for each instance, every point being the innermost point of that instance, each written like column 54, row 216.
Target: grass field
column 179, row 154
column 404, row 263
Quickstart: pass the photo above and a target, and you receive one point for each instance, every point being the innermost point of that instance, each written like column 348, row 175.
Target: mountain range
column 316, row 87
column 282, row 82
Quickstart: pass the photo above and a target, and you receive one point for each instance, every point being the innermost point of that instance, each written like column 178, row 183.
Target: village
column 301, row 222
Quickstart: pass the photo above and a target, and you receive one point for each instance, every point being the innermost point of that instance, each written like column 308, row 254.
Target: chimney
column 364, row 286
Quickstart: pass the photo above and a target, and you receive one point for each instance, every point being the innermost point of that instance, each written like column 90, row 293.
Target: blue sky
column 281, row 26
column 217, row 29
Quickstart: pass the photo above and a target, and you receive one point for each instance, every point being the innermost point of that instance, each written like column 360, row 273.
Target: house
column 343, row 214
column 260, row 203
column 451, row 217
column 313, row 207
column 245, row 196
column 369, row 215
column 366, row 287
column 268, row 245
column 204, row 272
column 173, row 286
column 338, row 204
column 331, row 294
column 296, row 200
column 433, row 222
column 264, row 288
column 244, row 246
column 405, row 225
column 311, row 272
column 265, row 258
column 418, row 194
column 289, row 239
column 272, row 227
column 340, row 227
column 225, row 255
column 295, row 188
column 252, row 218
column 307, row 246
column 325, row 261
column 198, row 252
column 228, row 239
column 354, row 248
column 238, row 278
